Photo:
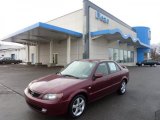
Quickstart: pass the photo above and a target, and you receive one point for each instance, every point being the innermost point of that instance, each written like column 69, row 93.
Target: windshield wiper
column 71, row 76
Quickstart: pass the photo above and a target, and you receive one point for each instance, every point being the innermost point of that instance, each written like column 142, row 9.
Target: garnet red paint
column 67, row 88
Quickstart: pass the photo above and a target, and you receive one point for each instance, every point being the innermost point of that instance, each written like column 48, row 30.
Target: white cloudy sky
column 17, row 14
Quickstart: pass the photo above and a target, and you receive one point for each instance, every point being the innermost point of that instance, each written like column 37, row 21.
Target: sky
column 18, row 14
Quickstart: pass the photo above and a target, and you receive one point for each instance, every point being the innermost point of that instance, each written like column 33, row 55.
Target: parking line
column 12, row 90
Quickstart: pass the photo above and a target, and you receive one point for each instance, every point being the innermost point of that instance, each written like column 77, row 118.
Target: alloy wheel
column 123, row 87
column 78, row 106
column 155, row 65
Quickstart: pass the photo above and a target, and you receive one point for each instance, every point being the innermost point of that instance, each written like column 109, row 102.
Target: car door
column 145, row 62
column 9, row 60
column 114, row 77
column 152, row 62
column 99, row 85
column 5, row 60
column 12, row 61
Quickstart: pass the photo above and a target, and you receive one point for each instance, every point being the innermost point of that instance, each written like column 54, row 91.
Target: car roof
column 96, row 60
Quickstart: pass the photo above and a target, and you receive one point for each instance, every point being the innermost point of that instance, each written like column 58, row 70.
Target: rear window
column 113, row 67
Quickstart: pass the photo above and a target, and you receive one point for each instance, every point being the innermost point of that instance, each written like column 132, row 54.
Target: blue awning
column 123, row 36
column 41, row 31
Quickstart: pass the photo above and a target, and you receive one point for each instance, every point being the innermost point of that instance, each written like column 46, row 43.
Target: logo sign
column 101, row 17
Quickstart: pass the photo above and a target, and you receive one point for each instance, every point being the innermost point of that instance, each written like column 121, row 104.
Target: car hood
column 53, row 84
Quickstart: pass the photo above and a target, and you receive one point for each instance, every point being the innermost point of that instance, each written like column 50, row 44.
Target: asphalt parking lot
column 141, row 102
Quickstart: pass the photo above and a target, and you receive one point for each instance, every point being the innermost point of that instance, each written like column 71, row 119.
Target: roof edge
column 46, row 26
column 113, row 31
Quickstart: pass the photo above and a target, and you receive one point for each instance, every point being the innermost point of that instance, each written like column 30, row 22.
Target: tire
column 122, row 89
column 76, row 108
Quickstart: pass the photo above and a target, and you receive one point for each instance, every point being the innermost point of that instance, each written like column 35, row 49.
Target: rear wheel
column 122, row 88
column 142, row 65
column 77, row 106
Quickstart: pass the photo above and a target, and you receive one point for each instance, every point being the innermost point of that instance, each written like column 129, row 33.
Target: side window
column 113, row 67
column 144, row 61
column 102, row 68
column 8, row 58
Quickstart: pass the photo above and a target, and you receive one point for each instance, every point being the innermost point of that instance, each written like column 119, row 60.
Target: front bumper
column 46, row 106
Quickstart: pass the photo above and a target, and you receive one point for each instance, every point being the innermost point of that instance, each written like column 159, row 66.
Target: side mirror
column 98, row 75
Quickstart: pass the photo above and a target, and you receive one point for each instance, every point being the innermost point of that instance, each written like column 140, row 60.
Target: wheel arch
column 125, row 79
column 72, row 98
column 81, row 92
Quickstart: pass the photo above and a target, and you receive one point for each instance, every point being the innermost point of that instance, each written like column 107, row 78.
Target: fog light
column 44, row 110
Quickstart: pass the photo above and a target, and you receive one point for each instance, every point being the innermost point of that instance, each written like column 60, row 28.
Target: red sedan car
column 76, row 85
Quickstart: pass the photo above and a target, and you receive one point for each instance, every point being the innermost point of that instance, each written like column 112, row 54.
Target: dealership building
column 88, row 33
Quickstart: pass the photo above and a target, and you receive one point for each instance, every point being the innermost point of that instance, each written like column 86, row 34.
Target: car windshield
column 78, row 69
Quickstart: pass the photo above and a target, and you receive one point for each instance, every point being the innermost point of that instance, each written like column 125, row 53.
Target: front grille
column 34, row 94
column 35, row 107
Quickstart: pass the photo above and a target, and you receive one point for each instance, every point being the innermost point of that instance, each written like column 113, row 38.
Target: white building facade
column 88, row 33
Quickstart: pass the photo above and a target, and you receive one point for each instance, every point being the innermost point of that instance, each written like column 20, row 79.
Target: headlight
column 52, row 96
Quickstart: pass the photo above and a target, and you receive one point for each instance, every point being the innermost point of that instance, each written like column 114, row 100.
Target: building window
column 110, row 53
column 129, row 56
column 132, row 56
column 125, row 56
column 32, row 58
column 121, row 56
column 149, row 34
column 115, row 55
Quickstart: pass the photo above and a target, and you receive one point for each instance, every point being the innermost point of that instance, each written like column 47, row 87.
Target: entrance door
column 32, row 57
column 55, row 58
column 145, row 56
column 13, row 56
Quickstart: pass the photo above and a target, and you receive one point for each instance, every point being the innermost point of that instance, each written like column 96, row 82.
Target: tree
column 154, row 54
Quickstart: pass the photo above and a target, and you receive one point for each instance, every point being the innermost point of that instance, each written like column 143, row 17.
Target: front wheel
column 77, row 106
column 122, row 88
